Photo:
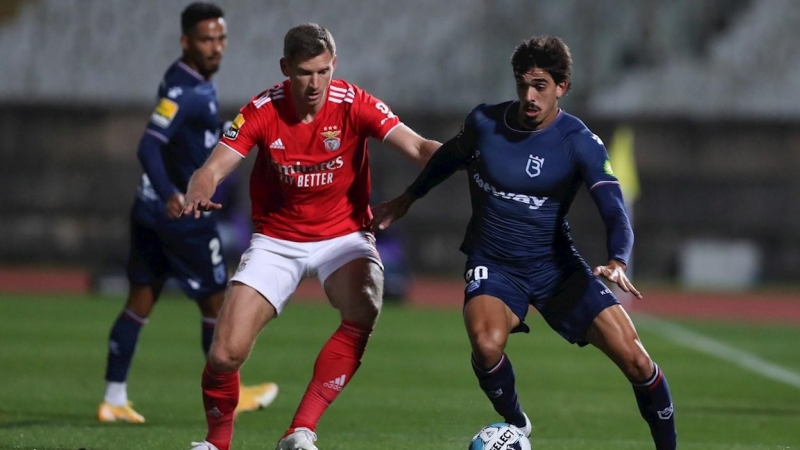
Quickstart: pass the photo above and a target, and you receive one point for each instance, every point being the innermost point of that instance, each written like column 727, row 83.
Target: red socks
column 337, row 362
column 220, row 397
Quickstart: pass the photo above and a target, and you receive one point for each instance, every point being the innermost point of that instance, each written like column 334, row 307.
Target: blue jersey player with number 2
column 182, row 130
column 526, row 160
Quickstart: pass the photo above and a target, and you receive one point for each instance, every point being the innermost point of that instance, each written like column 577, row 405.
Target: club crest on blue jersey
column 220, row 273
column 534, row 167
column 332, row 141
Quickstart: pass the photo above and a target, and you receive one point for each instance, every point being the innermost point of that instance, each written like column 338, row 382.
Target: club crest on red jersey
column 331, row 141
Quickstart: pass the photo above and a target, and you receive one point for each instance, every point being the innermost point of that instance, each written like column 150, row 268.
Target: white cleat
column 205, row 445
column 300, row 439
column 528, row 428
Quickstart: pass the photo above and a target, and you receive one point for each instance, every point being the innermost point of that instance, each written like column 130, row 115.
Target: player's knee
column 638, row 366
column 487, row 350
column 365, row 307
column 365, row 311
column 225, row 360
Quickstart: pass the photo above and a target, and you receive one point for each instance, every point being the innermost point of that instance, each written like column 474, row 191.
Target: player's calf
column 655, row 405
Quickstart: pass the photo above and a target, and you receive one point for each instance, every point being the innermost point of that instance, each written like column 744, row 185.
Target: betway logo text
column 532, row 202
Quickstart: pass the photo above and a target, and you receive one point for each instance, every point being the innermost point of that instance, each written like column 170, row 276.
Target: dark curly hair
column 548, row 53
column 198, row 12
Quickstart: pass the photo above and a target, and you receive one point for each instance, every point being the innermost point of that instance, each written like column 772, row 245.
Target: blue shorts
column 187, row 249
column 567, row 295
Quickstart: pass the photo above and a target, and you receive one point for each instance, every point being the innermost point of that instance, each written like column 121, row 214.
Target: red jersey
column 311, row 181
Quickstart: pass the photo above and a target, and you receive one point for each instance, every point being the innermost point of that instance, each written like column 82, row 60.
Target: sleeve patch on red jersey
column 165, row 111
column 236, row 125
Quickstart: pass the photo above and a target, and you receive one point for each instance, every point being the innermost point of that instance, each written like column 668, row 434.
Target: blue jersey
column 183, row 129
column 186, row 122
column 522, row 183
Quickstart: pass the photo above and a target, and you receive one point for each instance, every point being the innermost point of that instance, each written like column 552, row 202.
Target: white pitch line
column 709, row 346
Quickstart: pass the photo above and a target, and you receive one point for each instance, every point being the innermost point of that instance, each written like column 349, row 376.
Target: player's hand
column 386, row 213
column 614, row 271
column 174, row 205
column 194, row 205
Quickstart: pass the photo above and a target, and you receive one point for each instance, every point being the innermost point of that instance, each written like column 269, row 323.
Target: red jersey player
column 310, row 189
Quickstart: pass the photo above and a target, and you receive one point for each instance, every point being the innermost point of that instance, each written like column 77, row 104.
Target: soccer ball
column 500, row 436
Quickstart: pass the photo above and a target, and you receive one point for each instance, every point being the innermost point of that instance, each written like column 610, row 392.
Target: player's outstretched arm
column 205, row 180
column 614, row 271
column 411, row 145
column 444, row 162
column 619, row 235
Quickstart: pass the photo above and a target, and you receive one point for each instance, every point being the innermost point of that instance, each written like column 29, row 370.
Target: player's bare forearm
column 614, row 271
column 204, row 182
column 201, row 188
column 411, row 145
column 426, row 149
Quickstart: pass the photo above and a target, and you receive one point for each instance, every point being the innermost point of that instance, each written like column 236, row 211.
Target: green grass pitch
column 415, row 388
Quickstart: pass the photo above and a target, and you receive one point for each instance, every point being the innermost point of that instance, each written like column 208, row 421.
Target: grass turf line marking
column 712, row 347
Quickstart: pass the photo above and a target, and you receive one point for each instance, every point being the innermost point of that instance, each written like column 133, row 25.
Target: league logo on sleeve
column 233, row 131
column 607, row 168
column 165, row 111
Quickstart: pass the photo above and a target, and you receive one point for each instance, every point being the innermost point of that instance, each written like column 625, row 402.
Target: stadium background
column 709, row 89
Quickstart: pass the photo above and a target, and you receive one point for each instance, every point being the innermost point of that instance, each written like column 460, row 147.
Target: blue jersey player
column 183, row 129
column 526, row 160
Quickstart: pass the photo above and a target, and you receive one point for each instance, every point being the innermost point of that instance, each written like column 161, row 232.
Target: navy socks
column 655, row 405
column 498, row 383
column 122, row 344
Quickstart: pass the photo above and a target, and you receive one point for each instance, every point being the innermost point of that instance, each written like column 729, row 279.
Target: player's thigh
column 613, row 332
column 242, row 316
column 488, row 321
column 194, row 251
column 351, row 273
column 356, row 290
column 494, row 296
column 142, row 298
column 486, row 314
column 575, row 303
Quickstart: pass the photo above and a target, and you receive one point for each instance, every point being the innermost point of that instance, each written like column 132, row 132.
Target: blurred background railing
column 710, row 88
